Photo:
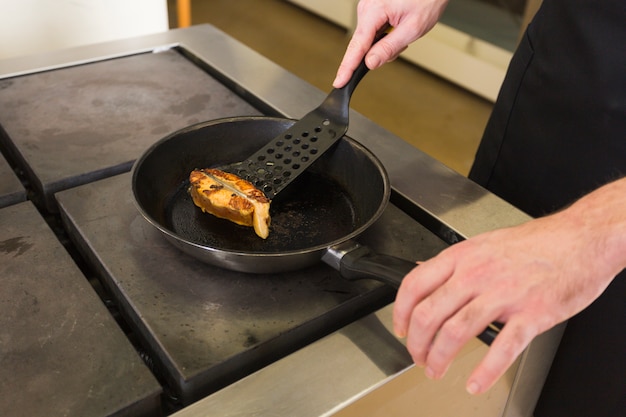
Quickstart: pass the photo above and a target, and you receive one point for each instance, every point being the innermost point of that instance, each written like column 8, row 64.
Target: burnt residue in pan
column 313, row 211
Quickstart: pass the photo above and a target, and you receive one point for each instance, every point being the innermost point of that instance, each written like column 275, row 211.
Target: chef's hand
column 410, row 19
column 530, row 277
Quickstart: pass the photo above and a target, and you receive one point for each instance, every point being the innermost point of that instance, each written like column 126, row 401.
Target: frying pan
column 336, row 199
column 318, row 217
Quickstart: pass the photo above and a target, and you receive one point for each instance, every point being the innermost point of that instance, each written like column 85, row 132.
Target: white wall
column 34, row 26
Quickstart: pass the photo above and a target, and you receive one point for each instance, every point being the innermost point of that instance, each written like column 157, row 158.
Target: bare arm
column 530, row 277
column 410, row 19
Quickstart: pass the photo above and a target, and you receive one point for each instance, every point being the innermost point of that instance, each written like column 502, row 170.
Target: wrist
column 601, row 218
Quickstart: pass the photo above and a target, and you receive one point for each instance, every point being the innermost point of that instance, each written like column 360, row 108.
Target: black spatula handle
column 338, row 99
column 284, row 158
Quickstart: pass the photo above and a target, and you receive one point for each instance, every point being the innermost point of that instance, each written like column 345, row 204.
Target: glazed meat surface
column 230, row 197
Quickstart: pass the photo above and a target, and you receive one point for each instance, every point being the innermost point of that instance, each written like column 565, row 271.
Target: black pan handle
column 361, row 263
column 354, row 261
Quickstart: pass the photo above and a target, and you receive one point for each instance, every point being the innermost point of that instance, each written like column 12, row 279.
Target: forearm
column 601, row 217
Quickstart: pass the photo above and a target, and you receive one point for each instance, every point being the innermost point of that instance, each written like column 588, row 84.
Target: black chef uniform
column 557, row 132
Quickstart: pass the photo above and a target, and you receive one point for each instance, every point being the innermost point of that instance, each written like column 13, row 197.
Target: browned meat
column 230, row 197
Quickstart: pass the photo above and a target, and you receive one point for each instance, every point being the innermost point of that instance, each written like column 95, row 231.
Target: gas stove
column 101, row 311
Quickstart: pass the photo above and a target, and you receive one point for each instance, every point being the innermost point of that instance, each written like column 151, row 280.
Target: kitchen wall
column 35, row 26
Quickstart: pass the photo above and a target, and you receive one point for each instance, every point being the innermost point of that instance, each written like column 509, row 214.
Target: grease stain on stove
column 32, row 146
column 52, row 131
column 5, row 84
column 250, row 341
column 191, row 106
column 211, row 306
column 160, row 130
column 15, row 245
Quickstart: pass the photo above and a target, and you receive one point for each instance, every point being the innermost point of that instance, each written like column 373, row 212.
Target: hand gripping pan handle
column 354, row 261
column 277, row 164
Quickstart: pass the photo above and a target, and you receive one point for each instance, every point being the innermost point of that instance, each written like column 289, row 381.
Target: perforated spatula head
column 277, row 164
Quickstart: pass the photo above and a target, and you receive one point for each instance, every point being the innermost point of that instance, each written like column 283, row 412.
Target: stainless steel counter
column 349, row 368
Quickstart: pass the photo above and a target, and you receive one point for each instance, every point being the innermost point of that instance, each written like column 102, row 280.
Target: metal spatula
column 276, row 165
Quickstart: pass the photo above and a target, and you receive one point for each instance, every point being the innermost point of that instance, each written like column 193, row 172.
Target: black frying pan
column 315, row 218
column 341, row 195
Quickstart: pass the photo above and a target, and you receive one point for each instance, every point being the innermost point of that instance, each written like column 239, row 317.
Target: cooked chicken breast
column 230, row 197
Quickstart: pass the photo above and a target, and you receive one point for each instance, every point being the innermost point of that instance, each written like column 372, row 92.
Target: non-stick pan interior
column 336, row 197
column 296, row 219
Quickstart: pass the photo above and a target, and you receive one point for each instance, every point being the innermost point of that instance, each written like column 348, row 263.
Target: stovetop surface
column 11, row 189
column 207, row 326
column 81, row 123
column 75, row 132
column 53, row 328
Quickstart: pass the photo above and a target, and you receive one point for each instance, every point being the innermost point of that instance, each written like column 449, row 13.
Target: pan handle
column 354, row 261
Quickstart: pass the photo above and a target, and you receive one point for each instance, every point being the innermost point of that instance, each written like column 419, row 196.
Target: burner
column 206, row 326
column 54, row 327
column 75, row 125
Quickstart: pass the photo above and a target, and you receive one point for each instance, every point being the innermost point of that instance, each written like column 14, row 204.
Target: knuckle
column 421, row 318
column 512, row 342
column 415, row 352
column 389, row 50
column 509, row 350
column 454, row 331
column 355, row 45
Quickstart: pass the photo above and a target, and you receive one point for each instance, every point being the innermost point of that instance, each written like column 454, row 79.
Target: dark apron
column 557, row 132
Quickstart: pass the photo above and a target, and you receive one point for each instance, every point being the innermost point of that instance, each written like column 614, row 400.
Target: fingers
column 410, row 20
column 455, row 331
column 439, row 314
column 416, row 286
column 360, row 47
column 439, row 320
column 371, row 18
column 441, row 323
column 391, row 46
column 512, row 340
column 357, row 48
column 435, row 333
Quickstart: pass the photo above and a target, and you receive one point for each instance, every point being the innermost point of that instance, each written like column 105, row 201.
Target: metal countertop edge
column 458, row 207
